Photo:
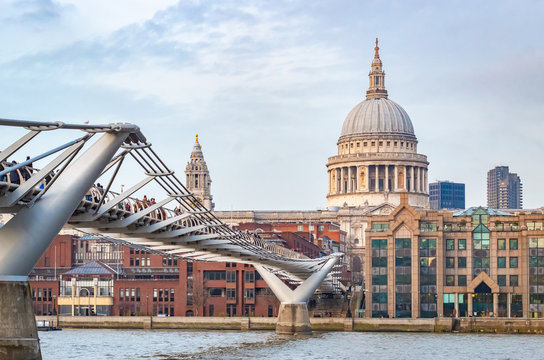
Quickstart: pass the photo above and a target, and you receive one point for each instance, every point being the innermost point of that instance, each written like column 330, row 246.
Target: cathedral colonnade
column 377, row 178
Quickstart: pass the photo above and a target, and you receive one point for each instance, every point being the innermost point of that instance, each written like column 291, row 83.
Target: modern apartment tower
column 504, row 189
column 446, row 195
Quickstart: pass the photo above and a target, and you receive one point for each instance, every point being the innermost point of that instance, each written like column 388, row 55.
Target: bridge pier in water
column 293, row 317
column 18, row 333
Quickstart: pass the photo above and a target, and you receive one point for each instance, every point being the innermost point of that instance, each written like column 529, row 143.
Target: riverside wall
column 437, row 325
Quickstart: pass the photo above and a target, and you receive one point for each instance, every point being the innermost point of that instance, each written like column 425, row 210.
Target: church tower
column 198, row 177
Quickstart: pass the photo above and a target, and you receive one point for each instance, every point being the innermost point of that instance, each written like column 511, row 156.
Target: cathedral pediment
column 382, row 209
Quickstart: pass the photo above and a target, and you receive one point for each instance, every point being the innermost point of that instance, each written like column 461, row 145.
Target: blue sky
column 267, row 84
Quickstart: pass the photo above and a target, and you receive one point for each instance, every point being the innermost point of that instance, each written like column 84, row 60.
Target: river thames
column 163, row 345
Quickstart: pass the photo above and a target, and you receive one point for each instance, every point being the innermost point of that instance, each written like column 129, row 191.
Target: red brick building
column 87, row 276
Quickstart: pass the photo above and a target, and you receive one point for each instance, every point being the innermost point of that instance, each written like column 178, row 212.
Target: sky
column 268, row 84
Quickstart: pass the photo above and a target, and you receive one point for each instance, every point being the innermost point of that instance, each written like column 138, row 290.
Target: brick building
column 475, row 262
column 91, row 276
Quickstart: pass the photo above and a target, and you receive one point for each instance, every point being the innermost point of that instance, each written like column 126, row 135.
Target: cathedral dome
column 377, row 116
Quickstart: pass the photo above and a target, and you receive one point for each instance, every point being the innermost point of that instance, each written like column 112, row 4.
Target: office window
column 513, row 244
column 462, row 280
column 450, row 262
column 501, row 262
column 514, row 262
column 231, row 294
column 250, row 276
column 461, row 262
column 300, row 228
column 462, row 244
column 513, row 280
column 171, row 294
column 450, row 244
column 450, row 280
column 231, row 276
column 501, row 280
column 501, row 244
column 321, row 228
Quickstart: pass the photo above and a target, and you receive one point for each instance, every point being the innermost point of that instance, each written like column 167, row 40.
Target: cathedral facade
column 377, row 152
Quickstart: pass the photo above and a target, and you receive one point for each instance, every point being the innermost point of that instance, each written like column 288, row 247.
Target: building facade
column 198, row 179
column 475, row 262
column 504, row 189
column 446, row 195
column 85, row 276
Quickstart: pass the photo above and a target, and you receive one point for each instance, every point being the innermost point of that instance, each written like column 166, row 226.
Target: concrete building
column 475, row 262
column 198, row 179
column 504, row 189
column 446, row 195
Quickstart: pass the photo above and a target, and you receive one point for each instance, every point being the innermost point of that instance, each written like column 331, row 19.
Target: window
column 131, row 261
column 171, row 294
column 216, row 292
column 513, row 244
column 160, row 295
column 462, row 280
column 461, row 262
column 231, row 294
column 148, row 261
column 250, row 276
column 155, row 294
column 427, row 227
column 501, row 244
column 450, row 262
column 138, row 294
column 513, row 280
column 249, row 293
column 501, row 280
column 214, row 275
column 501, row 262
column 137, row 261
column 450, row 244
column 450, row 280
column 231, row 276
column 514, row 262
column 531, row 226
column 300, row 228
column 189, row 268
column 380, row 227
column 321, row 228
column 121, row 294
column 462, row 244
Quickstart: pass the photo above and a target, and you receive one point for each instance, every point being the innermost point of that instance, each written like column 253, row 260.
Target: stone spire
column 198, row 177
column 376, row 77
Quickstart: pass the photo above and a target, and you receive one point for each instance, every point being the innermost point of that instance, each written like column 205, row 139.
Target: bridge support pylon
column 293, row 317
column 25, row 237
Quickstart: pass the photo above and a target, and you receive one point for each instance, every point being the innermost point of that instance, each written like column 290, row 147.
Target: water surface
column 170, row 344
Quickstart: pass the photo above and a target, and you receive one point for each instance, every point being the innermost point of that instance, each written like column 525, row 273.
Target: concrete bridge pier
column 293, row 317
column 18, row 333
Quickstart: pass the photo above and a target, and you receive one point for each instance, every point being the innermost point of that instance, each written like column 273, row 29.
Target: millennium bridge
column 61, row 192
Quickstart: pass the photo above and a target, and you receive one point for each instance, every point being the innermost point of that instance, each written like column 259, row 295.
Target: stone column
column 377, row 187
column 509, row 304
column 342, row 174
column 412, row 179
column 330, row 181
column 495, row 304
column 469, row 304
column 406, row 178
column 386, row 180
column 351, row 184
column 357, row 177
column 338, row 179
column 367, row 175
column 456, row 306
column 396, row 180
